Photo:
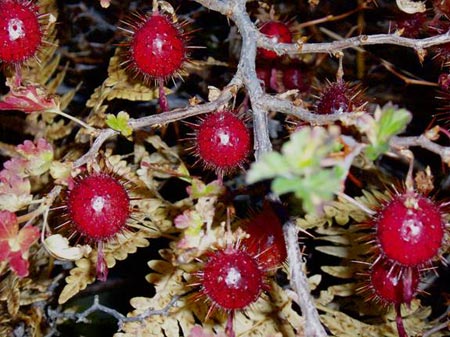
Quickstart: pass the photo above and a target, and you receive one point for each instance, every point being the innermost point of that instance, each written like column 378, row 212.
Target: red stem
column 102, row 268
column 18, row 79
column 163, row 102
column 398, row 319
column 229, row 326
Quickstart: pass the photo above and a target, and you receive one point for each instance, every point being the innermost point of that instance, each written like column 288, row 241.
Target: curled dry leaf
column 105, row 3
column 411, row 7
column 213, row 93
column 59, row 247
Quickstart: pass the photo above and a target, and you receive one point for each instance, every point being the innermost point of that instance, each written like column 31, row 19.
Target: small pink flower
column 15, row 243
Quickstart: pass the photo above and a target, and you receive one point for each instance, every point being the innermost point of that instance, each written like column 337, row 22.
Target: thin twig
column 299, row 282
column 247, row 71
column 423, row 142
column 163, row 118
column 121, row 319
column 437, row 328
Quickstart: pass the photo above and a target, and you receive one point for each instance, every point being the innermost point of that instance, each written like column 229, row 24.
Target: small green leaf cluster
column 388, row 122
column 310, row 165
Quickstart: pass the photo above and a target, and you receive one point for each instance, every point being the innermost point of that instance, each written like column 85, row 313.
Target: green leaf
column 389, row 121
column 307, row 166
column 119, row 123
column 270, row 165
column 392, row 122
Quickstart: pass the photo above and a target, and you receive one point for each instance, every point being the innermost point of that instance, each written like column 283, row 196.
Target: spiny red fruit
column 296, row 78
column 278, row 32
column 266, row 240
column 264, row 74
column 391, row 285
column 157, row 47
column 444, row 82
column 98, row 206
column 412, row 25
column 232, row 279
column 222, row 141
column 338, row 97
column 269, row 76
column 441, row 7
column 20, row 31
column 410, row 229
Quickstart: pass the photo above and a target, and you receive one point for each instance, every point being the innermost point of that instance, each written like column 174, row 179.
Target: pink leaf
column 29, row 98
column 15, row 243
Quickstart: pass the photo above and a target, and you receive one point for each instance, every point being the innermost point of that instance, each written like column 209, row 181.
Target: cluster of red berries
column 427, row 24
column 275, row 76
column 333, row 97
column 410, row 233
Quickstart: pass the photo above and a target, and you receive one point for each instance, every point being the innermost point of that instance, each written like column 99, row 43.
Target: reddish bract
column 278, row 32
column 20, row 31
column 157, row 48
column 232, row 279
column 222, row 141
column 410, row 229
column 98, row 206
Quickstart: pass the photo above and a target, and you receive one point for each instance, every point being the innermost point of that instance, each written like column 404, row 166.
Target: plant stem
column 72, row 118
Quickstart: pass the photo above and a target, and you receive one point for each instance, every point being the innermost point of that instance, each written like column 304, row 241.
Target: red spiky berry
column 231, row 279
column 266, row 240
column 20, row 31
column 444, row 82
column 391, row 285
column 278, row 32
column 98, row 206
column 441, row 8
column 264, row 74
column 270, row 78
column 222, row 141
column 337, row 97
column 411, row 25
column 157, row 46
column 410, row 229
column 294, row 77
